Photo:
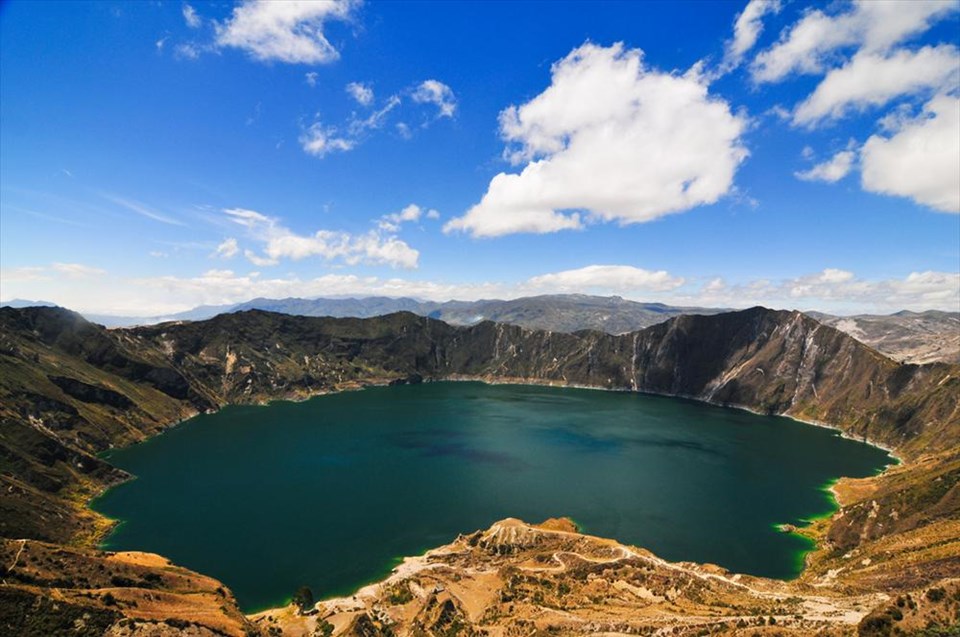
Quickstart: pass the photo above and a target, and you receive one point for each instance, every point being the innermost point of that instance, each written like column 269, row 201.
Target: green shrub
column 303, row 598
column 400, row 594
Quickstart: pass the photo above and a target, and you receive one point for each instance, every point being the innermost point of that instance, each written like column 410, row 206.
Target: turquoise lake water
column 331, row 491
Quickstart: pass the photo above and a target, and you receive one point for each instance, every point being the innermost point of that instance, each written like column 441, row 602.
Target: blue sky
column 155, row 156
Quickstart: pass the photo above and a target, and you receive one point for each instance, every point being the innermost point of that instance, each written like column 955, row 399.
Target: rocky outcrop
column 91, row 393
column 522, row 579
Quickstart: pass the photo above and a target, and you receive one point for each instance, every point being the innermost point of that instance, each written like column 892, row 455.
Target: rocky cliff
column 769, row 361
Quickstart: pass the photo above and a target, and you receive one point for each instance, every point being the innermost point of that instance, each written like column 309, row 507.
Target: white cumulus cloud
column 921, row 159
column 279, row 242
column 830, row 171
column 412, row 213
column 610, row 140
column 621, row 279
column 873, row 26
column 290, row 31
column 871, row 79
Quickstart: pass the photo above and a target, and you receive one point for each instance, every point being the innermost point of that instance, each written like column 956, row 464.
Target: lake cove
column 333, row 491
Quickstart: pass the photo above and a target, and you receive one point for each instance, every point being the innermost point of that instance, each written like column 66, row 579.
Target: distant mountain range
column 557, row 313
column 906, row 336
column 913, row 337
column 22, row 303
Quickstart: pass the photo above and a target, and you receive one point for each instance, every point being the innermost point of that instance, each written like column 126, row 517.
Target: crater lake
column 333, row 491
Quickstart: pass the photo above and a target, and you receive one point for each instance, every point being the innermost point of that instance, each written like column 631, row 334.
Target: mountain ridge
column 913, row 337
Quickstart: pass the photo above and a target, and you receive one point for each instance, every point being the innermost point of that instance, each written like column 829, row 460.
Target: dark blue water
column 330, row 492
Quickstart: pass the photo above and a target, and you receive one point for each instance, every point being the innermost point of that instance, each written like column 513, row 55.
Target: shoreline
column 803, row 530
column 398, row 562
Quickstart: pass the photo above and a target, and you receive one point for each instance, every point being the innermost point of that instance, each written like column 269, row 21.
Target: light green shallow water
column 330, row 492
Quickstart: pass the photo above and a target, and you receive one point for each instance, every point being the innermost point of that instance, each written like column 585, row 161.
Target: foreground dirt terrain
column 520, row 579
column 49, row 589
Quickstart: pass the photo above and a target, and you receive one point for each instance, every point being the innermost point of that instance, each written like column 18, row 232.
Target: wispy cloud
column 227, row 249
column 141, row 209
column 362, row 93
column 279, row 242
column 321, row 138
column 746, row 30
column 45, row 216
column 437, row 93
column 188, row 51
column 76, row 270
column 190, row 17
column 72, row 271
